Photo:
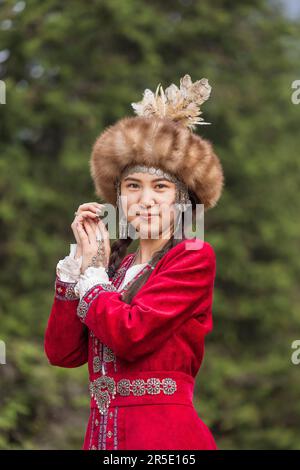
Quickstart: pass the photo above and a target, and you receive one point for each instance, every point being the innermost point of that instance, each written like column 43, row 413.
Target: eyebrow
column 136, row 179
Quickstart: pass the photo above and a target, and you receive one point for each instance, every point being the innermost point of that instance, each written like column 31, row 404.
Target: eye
column 130, row 184
column 163, row 185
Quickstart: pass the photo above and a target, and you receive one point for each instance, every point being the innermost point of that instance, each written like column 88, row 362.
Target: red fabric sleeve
column 182, row 288
column 66, row 338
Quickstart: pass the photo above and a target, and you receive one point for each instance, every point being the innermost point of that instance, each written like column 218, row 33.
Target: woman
column 140, row 319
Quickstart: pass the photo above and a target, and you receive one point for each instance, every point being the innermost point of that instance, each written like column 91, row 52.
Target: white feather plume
column 179, row 104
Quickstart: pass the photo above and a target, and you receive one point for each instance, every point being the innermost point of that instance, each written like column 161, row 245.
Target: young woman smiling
column 139, row 320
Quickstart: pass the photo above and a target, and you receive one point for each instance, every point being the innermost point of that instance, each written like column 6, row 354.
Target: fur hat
column 161, row 136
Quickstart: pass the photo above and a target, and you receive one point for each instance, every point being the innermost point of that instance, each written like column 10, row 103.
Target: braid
column 118, row 252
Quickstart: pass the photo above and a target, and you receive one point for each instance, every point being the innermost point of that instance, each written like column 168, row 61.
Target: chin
column 149, row 230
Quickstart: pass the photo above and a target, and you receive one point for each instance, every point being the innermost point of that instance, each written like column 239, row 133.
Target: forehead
column 144, row 177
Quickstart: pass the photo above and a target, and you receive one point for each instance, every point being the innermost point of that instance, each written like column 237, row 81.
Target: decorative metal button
column 138, row 387
column 123, row 387
column 169, row 386
column 153, row 386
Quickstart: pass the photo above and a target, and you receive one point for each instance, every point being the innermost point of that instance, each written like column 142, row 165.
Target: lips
column 145, row 214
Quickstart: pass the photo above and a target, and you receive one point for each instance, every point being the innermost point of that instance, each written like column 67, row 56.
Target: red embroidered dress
column 142, row 357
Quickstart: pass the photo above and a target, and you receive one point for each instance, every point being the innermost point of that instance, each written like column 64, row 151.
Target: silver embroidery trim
column 67, row 288
column 116, row 428
column 92, row 429
column 105, row 388
column 100, row 432
column 91, row 295
column 96, row 364
column 104, row 432
column 108, row 354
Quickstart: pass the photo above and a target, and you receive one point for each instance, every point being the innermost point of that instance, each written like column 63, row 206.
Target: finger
column 105, row 237
column 80, row 219
column 98, row 232
column 90, row 231
column 84, row 239
column 76, row 235
column 103, row 230
column 94, row 222
column 92, row 206
column 86, row 213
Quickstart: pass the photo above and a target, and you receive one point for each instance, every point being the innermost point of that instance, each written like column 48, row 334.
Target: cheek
column 129, row 205
column 168, row 209
column 167, row 197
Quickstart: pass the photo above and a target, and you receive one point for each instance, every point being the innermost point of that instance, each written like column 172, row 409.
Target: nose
column 147, row 199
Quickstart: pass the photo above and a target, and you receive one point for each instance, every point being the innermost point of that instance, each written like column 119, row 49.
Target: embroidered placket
column 103, row 388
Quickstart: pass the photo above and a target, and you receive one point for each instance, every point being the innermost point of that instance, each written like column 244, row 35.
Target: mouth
column 146, row 216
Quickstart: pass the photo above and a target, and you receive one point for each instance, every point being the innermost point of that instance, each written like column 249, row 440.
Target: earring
column 178, row 202
column 183, row 201
column 123, row 229
column 123, row 226
column 186, row 203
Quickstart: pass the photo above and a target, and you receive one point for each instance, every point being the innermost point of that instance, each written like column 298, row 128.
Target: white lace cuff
column 90, row 278
column 68, row 269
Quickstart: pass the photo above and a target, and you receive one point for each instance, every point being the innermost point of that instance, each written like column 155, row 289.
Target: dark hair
column 119, row 251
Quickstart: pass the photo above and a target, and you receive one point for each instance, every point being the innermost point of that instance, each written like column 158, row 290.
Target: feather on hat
column 179, row 104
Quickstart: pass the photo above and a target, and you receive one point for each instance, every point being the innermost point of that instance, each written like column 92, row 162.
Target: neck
column 148, row 246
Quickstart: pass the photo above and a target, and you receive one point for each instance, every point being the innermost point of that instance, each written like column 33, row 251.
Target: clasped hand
column 86, row 226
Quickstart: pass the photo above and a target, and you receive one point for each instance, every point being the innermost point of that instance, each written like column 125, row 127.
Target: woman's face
column 148, row 202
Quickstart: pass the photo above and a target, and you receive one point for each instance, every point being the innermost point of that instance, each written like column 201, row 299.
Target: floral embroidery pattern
column 96, row 364
column 108, row 354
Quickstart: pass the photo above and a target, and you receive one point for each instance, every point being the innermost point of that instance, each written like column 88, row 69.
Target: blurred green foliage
column 73, row 68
